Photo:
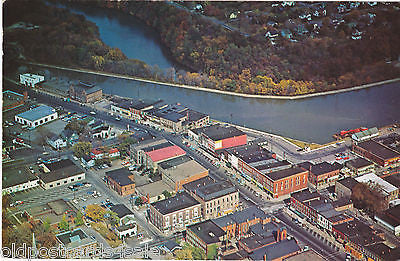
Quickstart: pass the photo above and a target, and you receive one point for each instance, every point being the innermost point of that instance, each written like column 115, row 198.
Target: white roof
column 386, row 186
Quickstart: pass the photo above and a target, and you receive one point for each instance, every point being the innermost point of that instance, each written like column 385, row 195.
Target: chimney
column 278, row 235
column 283, row 234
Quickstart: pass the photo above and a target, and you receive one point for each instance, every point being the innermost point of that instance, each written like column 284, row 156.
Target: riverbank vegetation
column 243, row 47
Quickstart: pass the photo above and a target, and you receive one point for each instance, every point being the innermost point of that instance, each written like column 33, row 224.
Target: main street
column 215, row 172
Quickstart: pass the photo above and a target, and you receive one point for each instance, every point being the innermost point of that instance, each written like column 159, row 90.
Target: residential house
column 88, row 161
column 69, row 136
column 102, row 133
column 56, row 142
column 96, row 153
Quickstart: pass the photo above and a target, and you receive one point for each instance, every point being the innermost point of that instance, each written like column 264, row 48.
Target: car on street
column 92, row 237
column 93, row 113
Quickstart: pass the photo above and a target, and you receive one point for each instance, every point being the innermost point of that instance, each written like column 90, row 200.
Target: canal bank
column 197, row 88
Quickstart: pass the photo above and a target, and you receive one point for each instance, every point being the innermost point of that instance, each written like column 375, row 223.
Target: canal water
column 312, row 119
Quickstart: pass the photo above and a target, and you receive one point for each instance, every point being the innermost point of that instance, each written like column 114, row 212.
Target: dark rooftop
column 215, row 190
column 194, row 115
column 280, row 174
column 191, row 186
column 179, row 201
column 219, row 132
column 16, row 175
column 71, row 236
column 93, row 90
column 251, row 153
column 257, row 241
column 378, row 149
column 393, row 179
column 384, row 251
column 358, row 232
column 60, row 170
column 359, row 163
column 158, row 146
column 348, row 182
column 121, row 210
column 276, row 251
column 121, row 176
column 274, row 166
column 320, row 168
column 305, row 195
column 174, row 162
column 241, row 216
column 207, row 231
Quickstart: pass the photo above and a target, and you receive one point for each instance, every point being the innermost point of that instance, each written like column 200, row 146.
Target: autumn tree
column 95, row 212
column 369, row 197
column 64, row 225
column 81, row 149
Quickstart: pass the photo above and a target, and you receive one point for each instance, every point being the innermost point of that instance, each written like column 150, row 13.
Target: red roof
column 113, row 150
column 96, row 151
column 165, row 153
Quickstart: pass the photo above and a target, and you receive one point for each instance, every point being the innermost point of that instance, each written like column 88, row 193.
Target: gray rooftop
column 215, row 190
column 276, row 251
column 207, row 231
column 14, row 176
column 219, row 132
column 251, row 153
column 378, row 149
column 280, row 174
column 121, row 176
column 73, row 239
column 37, row 113
column 179, row 201
column 241, row 216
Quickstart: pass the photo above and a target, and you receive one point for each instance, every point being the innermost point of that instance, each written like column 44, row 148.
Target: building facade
column 378, row 153
column 37, row 116
column 30, row 80
column 121, row 181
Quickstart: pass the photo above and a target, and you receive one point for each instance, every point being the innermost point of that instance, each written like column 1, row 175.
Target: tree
column 139, row 201
column 166, row 194
column 46, row 225
column 369, row 197
column 212, row 252
column 114, row 219
column 79, row 219
column 64, row 225
column 81, row 149
column 198, row 253
column 95, row 212
column 75, row 125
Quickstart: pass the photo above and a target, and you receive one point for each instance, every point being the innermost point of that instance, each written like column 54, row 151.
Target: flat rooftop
column 10, row 97
column 154, row 189
column 174, row 162
column 251, row 153
column 280, row 174
column 165, row 153
column 367, row 178
column 184, row 170
column 359, row 163
column 60, row 173
column 37, row 113
column 378, row 149
column 191, row 186
column 306, row 195
column 348, row 182
column 121, row 176
column 179, row 201
column 358, row 232
column 16, row 175
column 218, row 132
column 73, row 239
column 207, row 231
column 157, row 146
column 216, row 190
column 195, row 115
column 321, row 168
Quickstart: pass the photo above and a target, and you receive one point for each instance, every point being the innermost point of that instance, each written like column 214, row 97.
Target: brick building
column 344, row 187
column 360, row 166
column 87, row 93
column 378, row 153
column 175, row 213
column 179, row 171
column 121, row 181
column 286, row 181
column 322, row 173
column 216, row 198
column 237, row 224
column 205, row 234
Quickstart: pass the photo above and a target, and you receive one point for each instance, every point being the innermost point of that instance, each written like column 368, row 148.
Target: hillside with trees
column 270, row 49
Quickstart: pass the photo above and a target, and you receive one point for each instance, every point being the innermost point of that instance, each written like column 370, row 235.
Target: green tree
column 79, row 219
column 139, row 201
column 184, row 254
column 64, row 225
column 46, row 225
column 81, row 149
column 212, row 252
column 166, row 194
column 113, row 218
column 198, row 253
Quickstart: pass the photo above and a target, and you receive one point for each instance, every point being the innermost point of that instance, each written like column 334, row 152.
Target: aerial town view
column 201, row 130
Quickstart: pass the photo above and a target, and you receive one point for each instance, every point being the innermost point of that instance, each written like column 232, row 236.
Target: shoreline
column 304, row 96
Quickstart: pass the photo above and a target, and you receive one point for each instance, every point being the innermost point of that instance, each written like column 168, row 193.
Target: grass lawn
column 108, row 235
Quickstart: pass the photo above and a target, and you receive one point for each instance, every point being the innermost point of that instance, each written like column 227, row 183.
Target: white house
column 102, row 132
column 56, row 142
column 37, row 116
column 126, row 230
column 87, row 161
column 30, row 80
